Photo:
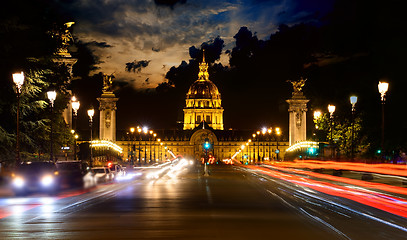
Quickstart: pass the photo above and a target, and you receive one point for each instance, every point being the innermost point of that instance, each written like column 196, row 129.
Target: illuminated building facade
column 203, row 102
column 203, row 121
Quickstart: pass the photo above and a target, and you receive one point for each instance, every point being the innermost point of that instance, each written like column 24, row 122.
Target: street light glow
column 91, row 112
column 52, row 95
column 18, row 79
column 264, row 130
column 317, row 114
column 353, row 100
column 383, row 87
column 75, row 105
column 331, row 109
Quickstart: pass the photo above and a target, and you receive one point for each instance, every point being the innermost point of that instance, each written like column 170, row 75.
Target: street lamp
column 52, row 95
column 258, row 146
column 254, row 148
column 132, row 147
column 317, row 117
column 75, row 106
column 158, row 145
column 139, row 148
column 278, row 133
column 18, row 79
column 149, row 141
column 249, row 141
column 145, row 131
column 353, row 101
column 269, row 131
column 331, row 110
column 91, row 112
column 383, row 87
column 154, row 135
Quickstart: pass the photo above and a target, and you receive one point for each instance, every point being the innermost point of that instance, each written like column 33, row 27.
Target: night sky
column 254, row 47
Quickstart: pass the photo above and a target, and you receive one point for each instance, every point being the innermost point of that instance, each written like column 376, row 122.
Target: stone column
column 297, row 113
column 107, row 123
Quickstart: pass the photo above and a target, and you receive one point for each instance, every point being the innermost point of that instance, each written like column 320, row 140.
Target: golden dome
column 203, row 89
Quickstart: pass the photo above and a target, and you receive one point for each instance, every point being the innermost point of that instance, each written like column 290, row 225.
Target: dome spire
column 203, row 55
column 203, row 74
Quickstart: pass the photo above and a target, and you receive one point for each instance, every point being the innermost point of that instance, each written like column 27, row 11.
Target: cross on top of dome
column 203, row 69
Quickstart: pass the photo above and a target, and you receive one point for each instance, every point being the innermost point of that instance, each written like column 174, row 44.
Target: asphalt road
column 231, row 203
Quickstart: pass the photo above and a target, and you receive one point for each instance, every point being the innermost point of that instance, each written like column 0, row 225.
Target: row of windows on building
column 203, row 104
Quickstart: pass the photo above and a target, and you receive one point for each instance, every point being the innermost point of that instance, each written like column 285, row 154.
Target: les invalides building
column 203, row 122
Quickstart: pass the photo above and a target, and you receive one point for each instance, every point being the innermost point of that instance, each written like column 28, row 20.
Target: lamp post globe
column 52, row 95
column 91, row 113
column 353, row 101
column 18, row 79
column 331, row 110
column 75, row 107
column 383, row 87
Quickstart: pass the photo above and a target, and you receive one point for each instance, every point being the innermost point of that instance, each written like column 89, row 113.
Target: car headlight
column 47, row 180
column 18, row 182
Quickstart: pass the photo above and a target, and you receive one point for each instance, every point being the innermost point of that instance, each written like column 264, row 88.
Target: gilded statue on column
column 64, row 38
column 107, row 82
column 298, row 85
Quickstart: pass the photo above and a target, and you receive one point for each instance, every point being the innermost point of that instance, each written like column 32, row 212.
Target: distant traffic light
column 311, row 151
column 379, row 151
column 207, row 144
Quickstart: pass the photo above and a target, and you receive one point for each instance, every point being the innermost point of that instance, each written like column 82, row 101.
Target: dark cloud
column 185, row 74
column 136, row 66
column 169, row 3
column 213, row 50
column 100, row 44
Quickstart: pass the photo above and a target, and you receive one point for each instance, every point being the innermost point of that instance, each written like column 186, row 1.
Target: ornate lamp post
column 18, row 79
column 254, row 147
column 145, row 131
column 139, row 139
column 154, row 135
column 278, row 133
column 317, row 116
column 258, row 146
column 263, row 131
column 75, row 107
column 383, row 87
column 269, row 131
column 91, row 113
column 132, row 147
column 149, row 141
column 249, row 141
column 353, row 101
column 52, row 95
column 331, row 110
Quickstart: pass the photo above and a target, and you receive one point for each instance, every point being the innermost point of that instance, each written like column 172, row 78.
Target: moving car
column 102, row 174
column 117, row 170
column 33, row 177
column 71, row 173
